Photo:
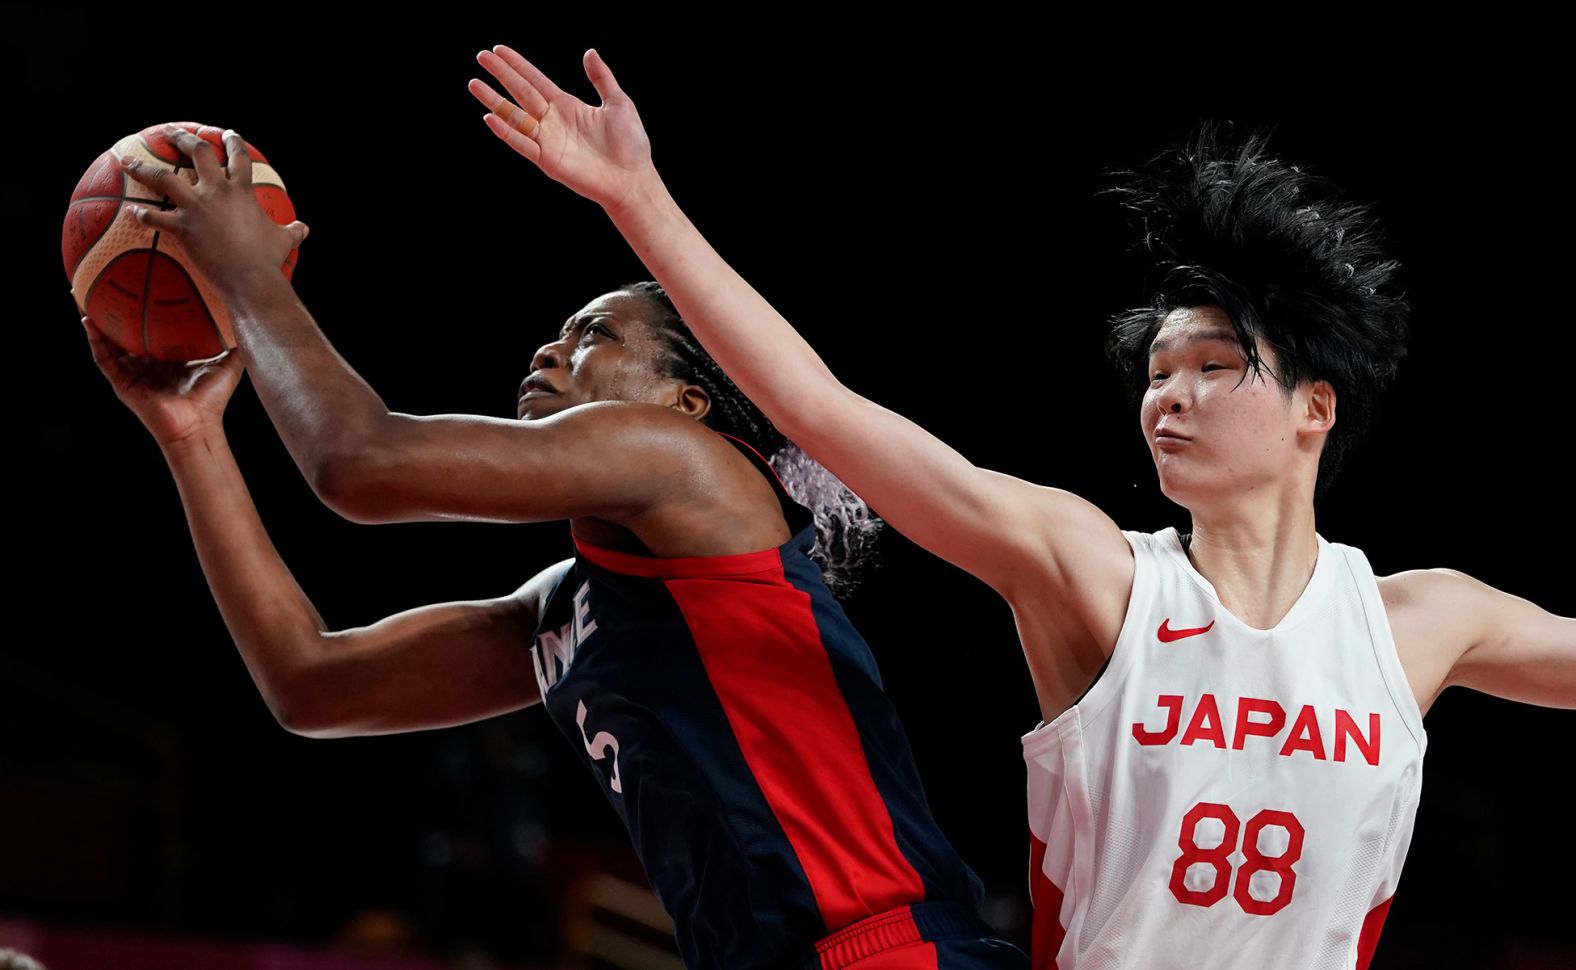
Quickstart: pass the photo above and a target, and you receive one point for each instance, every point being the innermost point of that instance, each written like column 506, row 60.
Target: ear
column 692, row 401
column 1319, row 413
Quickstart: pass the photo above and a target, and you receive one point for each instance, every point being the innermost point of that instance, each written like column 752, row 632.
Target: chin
column 539, row 408
column 1182, row 485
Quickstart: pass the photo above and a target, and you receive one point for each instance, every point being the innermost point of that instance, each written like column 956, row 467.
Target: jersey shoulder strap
column 797, row 516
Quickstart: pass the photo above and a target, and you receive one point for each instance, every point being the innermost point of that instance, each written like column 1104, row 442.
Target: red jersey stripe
column 1368, row 939
column 775, row 682
column 1046, row 932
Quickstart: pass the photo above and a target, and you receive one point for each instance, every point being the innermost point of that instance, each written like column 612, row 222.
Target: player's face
column 1215, row 429
column 605, row 352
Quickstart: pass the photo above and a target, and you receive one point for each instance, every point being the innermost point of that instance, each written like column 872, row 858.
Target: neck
column 1258, row 554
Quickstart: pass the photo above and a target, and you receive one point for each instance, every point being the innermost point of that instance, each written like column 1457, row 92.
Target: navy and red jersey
column 738, row 725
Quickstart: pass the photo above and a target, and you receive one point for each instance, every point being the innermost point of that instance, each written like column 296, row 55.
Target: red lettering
column 1255, row 861
column 1218, row 857
column 1172, row 705
column 1264, row 718
column 1346, row 727
column 1263, row 729
column 1205, row 724
column 1305, row 735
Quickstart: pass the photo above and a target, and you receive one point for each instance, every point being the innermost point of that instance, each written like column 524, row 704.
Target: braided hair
column 846, row 528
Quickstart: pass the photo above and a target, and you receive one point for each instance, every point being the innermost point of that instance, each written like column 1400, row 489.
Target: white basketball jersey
column 1225, row 796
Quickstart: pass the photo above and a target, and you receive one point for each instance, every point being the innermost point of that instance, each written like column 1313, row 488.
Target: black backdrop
column 921, row 201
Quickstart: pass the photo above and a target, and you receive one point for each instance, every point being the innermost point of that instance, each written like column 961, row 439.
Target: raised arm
column 431, row 667
column 1453, row 630
column 368, row 463
column 1009, row 533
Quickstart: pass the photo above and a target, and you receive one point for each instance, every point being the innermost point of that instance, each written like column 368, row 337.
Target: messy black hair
column 1281, row 254
column 846, row 528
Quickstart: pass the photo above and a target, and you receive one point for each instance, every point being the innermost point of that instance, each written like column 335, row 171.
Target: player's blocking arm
column 431, row 667
column 1009, row 533
column 1462, row 631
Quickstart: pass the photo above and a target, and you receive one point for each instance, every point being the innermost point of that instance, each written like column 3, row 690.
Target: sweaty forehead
column 1190, row 325
column 629, row 310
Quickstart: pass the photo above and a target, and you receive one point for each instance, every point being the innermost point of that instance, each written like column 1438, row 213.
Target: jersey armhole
column 1107, row 683
column 1386, row 655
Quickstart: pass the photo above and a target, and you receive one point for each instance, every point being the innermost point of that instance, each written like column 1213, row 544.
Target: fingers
column 161, row 180
column 96, row 343
column 526, row 94
column 238, row 160
column 601, row 77
column 511, row 115
column 298, row 232
column 199, row 151
column 521, row 143
column 156, row 219
column 526, row 70
column 114, row 363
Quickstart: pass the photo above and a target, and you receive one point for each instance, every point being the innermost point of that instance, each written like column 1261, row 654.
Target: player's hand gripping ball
column 138, row 284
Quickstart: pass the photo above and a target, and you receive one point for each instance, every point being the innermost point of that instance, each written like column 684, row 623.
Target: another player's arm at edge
column 431, row 667
column 1454, row 630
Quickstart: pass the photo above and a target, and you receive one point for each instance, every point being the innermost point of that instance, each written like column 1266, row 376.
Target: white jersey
column 1225, row 796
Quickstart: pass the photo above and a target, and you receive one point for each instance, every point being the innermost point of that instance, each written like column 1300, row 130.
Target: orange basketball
column 136, row 282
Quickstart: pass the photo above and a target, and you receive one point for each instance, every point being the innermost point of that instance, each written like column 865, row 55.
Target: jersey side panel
column 884, row 742
column 782, row 700
column 700, row 821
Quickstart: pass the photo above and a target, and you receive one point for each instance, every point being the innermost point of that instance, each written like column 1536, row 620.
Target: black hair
column 846, row 528
column 1284, row 256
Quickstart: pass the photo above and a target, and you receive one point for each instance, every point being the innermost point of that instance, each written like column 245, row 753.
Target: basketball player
column 733, row 716
column 1229, row 762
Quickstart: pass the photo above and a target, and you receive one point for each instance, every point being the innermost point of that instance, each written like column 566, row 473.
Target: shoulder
column 629, row 421
column 534, row 593
column 661, row 429
column 1434, row 591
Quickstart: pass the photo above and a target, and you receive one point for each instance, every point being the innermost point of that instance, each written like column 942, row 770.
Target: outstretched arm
column 1453, row 630
column 364, row 461
column 436, row 666
column 1009, row 533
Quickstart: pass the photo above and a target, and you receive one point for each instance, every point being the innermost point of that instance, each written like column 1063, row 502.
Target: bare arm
column 436, row 666
column 611, row 460
column 1453, row 630
column 430, row 667
column 1015, row 536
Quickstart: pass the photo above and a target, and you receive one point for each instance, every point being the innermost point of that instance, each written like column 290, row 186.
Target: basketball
column 135, row 282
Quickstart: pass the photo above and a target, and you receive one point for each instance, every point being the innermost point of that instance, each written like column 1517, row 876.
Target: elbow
column 813, row 415
column 301, row 714
column 301, row 704
column 352, row 482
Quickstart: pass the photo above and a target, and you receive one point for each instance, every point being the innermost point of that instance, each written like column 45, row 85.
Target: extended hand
column 218, row 221
column 602, row 153
column 173, row 401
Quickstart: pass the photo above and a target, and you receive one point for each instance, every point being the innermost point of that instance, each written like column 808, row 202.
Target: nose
column 1171, row 398
column 548, row 356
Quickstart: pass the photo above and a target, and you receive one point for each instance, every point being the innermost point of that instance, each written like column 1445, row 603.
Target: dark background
column 921, row 201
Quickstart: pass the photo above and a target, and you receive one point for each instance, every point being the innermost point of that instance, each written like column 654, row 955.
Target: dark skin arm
column 627, row 473
column 436, row 666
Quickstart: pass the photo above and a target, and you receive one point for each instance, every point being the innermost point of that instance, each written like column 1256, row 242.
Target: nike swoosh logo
column 1168, row 635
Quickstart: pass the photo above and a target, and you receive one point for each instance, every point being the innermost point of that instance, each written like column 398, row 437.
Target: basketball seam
column 147, row 295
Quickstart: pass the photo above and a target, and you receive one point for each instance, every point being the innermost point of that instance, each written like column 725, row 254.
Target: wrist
column 250, row 283
column 646, row 192
column 204, row 439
